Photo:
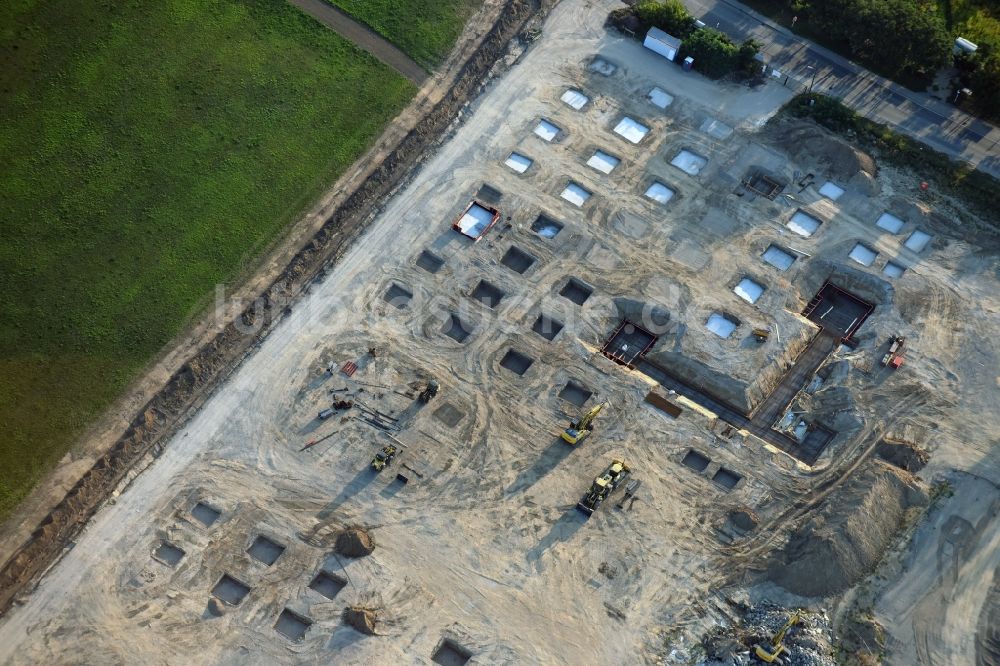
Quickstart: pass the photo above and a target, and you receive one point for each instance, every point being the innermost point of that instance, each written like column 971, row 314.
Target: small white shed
column 662, row 43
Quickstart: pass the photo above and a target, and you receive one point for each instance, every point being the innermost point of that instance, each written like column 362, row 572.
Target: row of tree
column 714, row 54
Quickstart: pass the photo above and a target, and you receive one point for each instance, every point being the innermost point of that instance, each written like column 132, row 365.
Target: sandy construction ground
column 482, row 546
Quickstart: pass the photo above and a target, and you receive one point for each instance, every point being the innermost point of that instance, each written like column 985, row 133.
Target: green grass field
column 424, row 29
column 149, row 151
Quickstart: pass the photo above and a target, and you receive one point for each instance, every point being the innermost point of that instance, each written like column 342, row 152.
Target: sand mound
column 807, row 143
column 904, row 455
column 849, row 534
column 360, row 619
column 354, row 542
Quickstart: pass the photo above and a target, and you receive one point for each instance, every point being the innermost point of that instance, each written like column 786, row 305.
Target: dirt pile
column 807, row 143
column 861, row 641
column 904, row 455
column 844, row 540
column 354, row 542
column 360, row 619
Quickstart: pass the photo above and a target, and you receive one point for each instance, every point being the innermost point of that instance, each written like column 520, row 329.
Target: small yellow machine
column 579, row 429
column 771, row 654
column 602, row 487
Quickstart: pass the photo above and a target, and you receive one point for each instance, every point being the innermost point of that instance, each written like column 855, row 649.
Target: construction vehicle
column 771, row 654
column 582, row 427
column 384, row 457
column 605, row 484
column 894, row 357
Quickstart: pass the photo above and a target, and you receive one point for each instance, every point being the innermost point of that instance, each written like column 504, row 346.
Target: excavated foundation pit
column 575, row 394
column 837, row 310
column 429, row 262
column 547, row 327
column 292, row 626
column 450, row 653
column 763, row 185
column 327, row 584
column 168, row 554
column 695, row 461
column 230, row 590
column 517, row 260
column 489, row 194
column 576, row 291
column 397, row 296
column 265, row 550
column 488, row 294
column 205, row 514
column 546, row 227
column 516, row 362
column 455, row 329
column 627, row 343
column 726, row 478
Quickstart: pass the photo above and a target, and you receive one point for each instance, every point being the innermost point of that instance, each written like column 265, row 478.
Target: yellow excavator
column 771, row 654
column 582, row 427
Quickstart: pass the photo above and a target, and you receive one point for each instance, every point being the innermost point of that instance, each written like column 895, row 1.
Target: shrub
column 714, row 53
column 669, row 16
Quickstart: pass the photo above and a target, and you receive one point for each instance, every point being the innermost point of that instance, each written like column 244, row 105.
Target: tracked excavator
column 771, row 654
column 582, row 427
column 602, row 487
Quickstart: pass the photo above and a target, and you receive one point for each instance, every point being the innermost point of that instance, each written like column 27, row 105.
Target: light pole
column 812, row 81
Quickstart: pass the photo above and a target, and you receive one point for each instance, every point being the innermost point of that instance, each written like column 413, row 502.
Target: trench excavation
column 838, row 314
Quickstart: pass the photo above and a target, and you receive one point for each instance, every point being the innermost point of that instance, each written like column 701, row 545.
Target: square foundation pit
column 327, row 584
column 518, row 162
column 659, row 192
column 517, row 260
column 265, row 550
column 722, row 325
column 546, row 130
column 778, row 257
column 449, row 414
column 689, row 162
column 695, row 461
column 631, row 130
column 831, row 190
column 230, row 591
column 168, row 553
column 516, row 362
column 205, row 514
column 576, row 291
column 575, row 394
column 603, row 162
column 863, row 254
column 429, row 262
column 488, row 294
column 659, row 98
column 749, row 290
column 917, row 241
column 547, row 327
column 803, row 224
column 292, row 626
column 726, row 478
column 397, row 296
column 889, row 222
column 893, row 270
column 575, row 193
column 450, row 653
column 574, row 99
column 546, row 227
column 456, row 329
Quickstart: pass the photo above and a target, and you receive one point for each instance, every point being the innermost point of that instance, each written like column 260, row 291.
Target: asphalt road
column 935, row 123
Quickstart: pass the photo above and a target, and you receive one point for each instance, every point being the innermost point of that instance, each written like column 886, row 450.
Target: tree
column 670, row 16
column 713, row 52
